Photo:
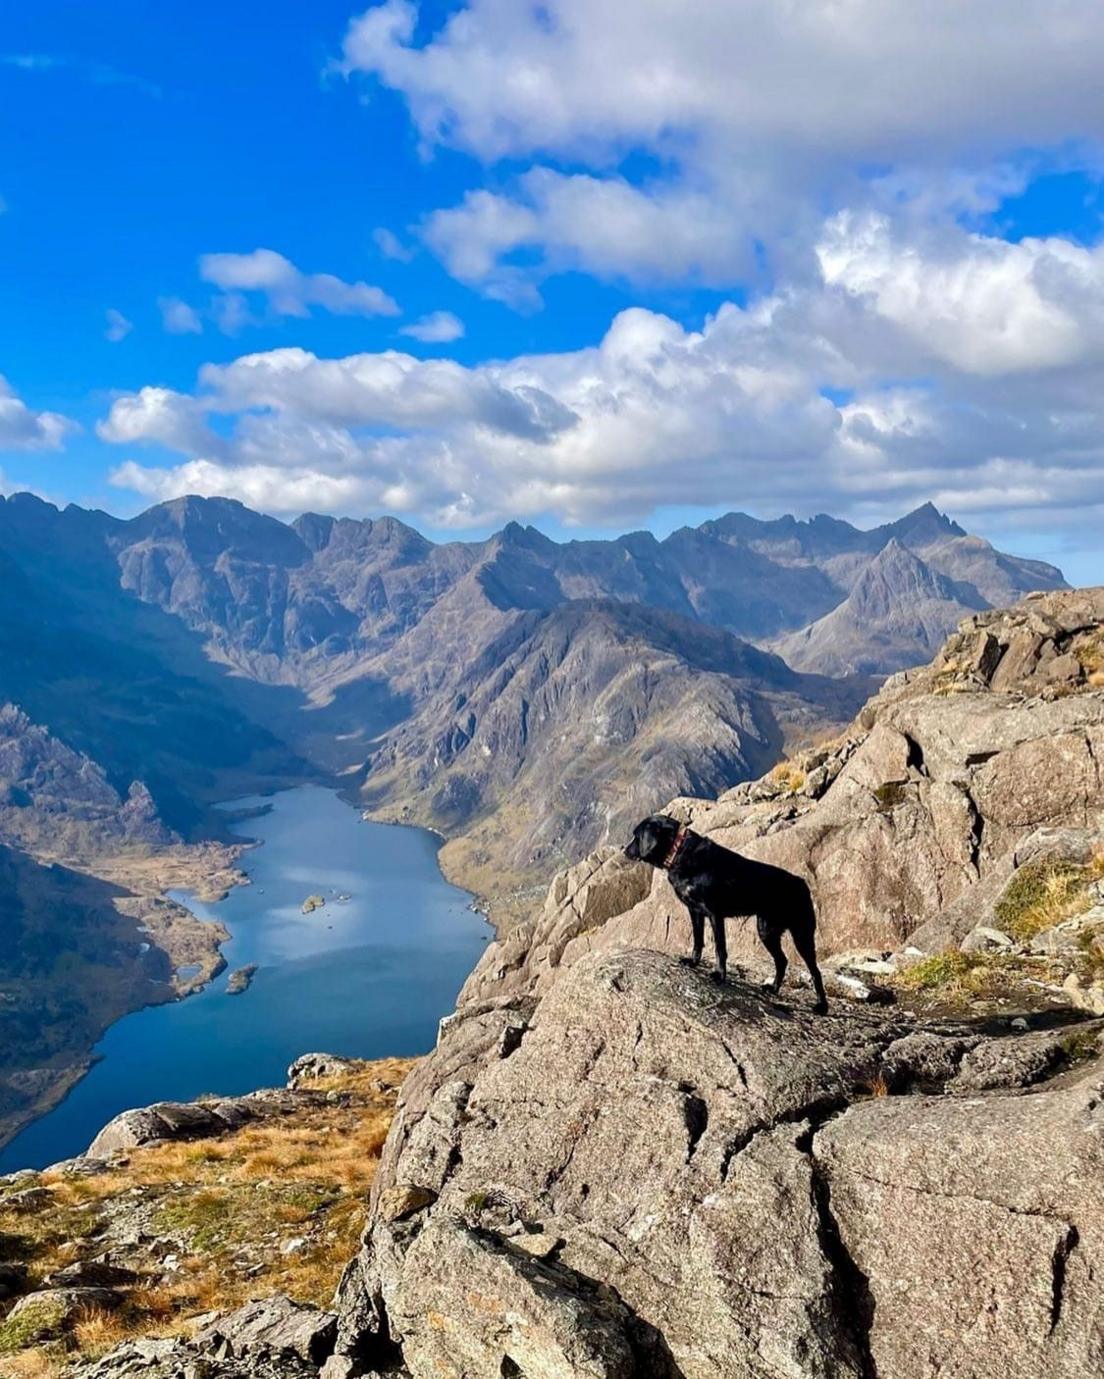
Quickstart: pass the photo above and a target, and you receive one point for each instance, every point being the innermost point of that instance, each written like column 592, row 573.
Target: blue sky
column 697, row 264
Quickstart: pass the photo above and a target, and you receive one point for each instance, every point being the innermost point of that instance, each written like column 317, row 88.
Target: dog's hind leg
column 720, row 947
column 697, row 926
column 804, row 938
column 771, row 940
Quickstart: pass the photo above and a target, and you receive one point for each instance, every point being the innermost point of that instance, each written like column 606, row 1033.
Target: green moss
column 940, row 970
column 204, row 1217
column 1042, row 894
column 889, row 795
column 38, row 1322
column 478, row 1201
column 965, row 975
column 1081, row 1044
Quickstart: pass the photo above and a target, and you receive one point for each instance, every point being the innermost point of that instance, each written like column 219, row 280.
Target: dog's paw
column 689, row 962
column 821, row 1008
column 718, row 977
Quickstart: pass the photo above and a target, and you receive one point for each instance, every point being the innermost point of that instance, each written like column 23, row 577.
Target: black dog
column 715, row 883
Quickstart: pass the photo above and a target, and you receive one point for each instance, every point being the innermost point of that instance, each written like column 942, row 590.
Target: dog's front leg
column 697, row 925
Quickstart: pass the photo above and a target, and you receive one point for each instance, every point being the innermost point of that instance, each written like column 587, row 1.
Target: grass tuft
column 1043, row 894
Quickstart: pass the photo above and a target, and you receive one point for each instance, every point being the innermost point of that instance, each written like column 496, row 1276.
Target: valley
column 527, row 700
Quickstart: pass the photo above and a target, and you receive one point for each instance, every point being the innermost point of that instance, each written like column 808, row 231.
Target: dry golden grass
column 30, row 1364
column 227, row 1206
column 1043, row 894
column 789, row 776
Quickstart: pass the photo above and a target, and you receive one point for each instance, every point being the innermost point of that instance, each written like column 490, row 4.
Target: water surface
column 366, row 978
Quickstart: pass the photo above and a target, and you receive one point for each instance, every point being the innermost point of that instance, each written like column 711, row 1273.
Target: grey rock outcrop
column 186, row 1120
column 639, row 1188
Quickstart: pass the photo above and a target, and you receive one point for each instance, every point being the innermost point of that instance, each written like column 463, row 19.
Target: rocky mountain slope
column 567, row 726
column 464, row 685
column 182, row 1208
column 897, row 613
column 88, row 934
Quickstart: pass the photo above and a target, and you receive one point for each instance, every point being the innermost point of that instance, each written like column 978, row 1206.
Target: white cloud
column 259, row 486
column 21, row 428
column 387, row 389
column 438, row 328
column 750, row 115
column 390, row 245
column 739, row 413
column 870, row 80
column 178, row 318
column 118, row 327
column 158, row 416
column 603, row 226
column 980, row 304
column 290, row 292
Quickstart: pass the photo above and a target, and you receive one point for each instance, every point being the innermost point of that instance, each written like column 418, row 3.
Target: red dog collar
column 675, row 848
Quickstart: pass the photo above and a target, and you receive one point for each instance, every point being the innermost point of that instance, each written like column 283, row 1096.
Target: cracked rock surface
column 664, row 1178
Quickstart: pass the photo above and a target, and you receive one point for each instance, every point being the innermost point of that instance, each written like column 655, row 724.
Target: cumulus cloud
column 178, row 318
column 778, row 404
column 749, row 116
column 22, row 428
column 601, row 225
column 290, row 292
column 118, row 327
column 872, row 80
column 159, row 416
column 980, row 304
column 438, row 328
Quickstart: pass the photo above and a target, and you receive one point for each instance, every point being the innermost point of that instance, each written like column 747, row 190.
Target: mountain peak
column 922, row 525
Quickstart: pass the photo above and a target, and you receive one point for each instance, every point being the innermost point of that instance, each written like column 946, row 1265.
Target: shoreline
column 208, row 877
column 181, row 936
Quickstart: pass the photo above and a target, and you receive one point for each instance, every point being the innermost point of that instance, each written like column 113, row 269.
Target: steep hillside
column 898, row 612
column 568, row 725
column 76, row 953
column 87, row 933
column 120, row 680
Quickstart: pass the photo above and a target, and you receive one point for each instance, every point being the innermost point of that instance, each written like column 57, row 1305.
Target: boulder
column 639, row 1188
column 57, row 1308
column 91, row 1273
column 309, row 1067
column 973, row 1230
column 983, row 938
column 274, row 1326
column 166, row 1359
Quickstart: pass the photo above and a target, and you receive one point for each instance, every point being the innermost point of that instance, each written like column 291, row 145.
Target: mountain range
column 525, row 697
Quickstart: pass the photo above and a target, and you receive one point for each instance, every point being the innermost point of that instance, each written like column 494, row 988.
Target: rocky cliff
column 610, row 1168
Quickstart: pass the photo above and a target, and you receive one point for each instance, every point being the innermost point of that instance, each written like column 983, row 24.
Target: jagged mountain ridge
column 570, row 723
column 298, row 603
column 421, row 662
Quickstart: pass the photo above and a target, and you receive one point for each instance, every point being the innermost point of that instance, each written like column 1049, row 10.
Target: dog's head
column 652, row 839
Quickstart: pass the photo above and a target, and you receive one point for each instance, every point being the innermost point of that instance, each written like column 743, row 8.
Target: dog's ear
column 652, row 837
